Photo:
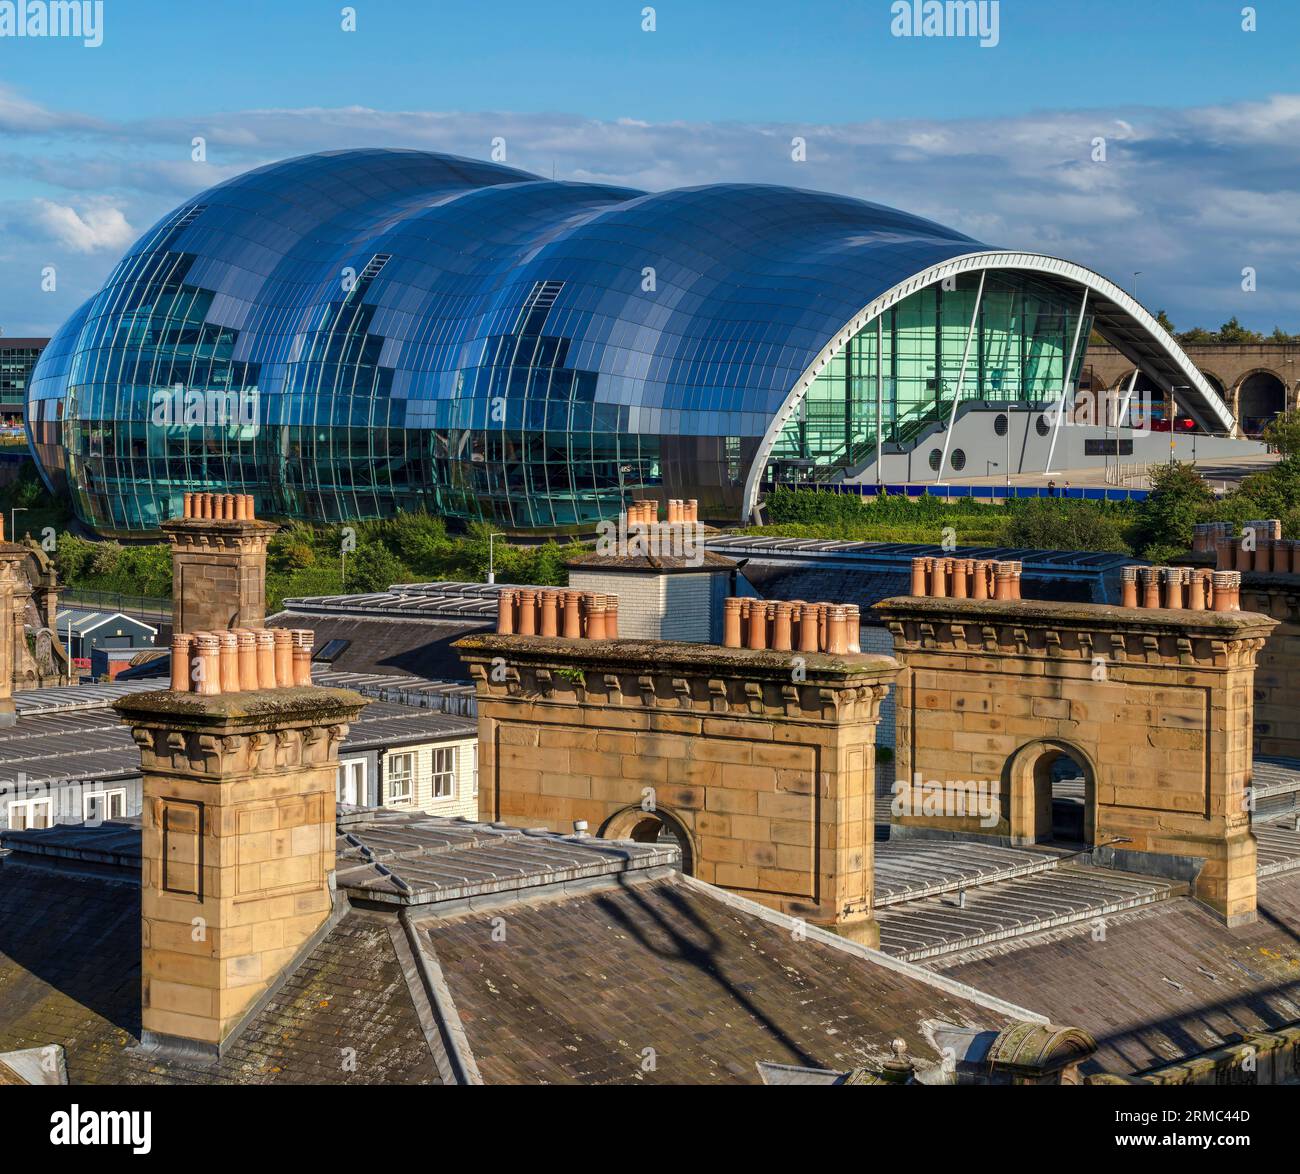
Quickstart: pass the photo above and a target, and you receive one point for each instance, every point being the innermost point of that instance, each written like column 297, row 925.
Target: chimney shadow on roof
column 78, row 934
column 695, row 945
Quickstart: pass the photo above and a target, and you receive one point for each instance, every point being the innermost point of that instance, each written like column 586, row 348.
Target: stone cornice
column 231, row 735
column 218, row 534
column 1038, row 629
column 702, row 679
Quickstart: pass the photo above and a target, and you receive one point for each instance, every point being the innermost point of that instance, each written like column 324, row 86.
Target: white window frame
column 407, row 777
column 110, row 796
column 474, row 765
column 442, row 778
column 31, row 805
column 363, row 783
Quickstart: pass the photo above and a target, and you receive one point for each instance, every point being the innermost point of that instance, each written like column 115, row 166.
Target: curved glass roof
column 413, row 324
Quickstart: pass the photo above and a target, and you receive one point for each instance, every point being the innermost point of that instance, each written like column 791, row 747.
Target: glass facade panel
column 1021, row 342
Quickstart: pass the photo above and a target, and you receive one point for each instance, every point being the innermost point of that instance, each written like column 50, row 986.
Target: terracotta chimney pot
column 837, row 641
column 1196, row 592
column 526, row 622
column 247, row 659
column 980, row 580
column 853, row 616
column 1128, row 586
column 757, row 624
column 1150, row 577
column 731, row 622
column 265, row 658
column 303, row 641
column 229, row 662
column 939, row 578
column 506, row 613
column 283, row 657
column 188, row 511
column 1174, row 587
column 595, row 616
column 208, row 655
column 611, row 617
column 550, row 613
column 808, row 625
column 918, row 576
column 783, row 628
column 182, row 645
column 1223, row 589
column 572, row 615
column 960, row 571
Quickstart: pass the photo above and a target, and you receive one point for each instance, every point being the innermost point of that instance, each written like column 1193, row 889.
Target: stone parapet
column 1153, row 705
column 762, row 761
column 237, row 847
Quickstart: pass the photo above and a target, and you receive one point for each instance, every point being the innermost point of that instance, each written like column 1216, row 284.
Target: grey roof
column 84, row 621
column 407, row 601
column 72, row 738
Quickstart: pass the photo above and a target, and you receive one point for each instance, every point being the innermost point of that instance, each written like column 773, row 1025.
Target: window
column 31, row 813
column 98, row 806
column 474, row 763
column 352, row 782
column 936, row 458
column 401, row 777
column 444, row 772
column 958, row 459
column 1000, row 424
column 331, row 651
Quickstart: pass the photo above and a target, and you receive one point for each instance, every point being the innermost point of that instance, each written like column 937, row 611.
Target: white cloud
column 99, row 225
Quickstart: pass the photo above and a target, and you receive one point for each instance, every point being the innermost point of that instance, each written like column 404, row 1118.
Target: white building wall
column 463, row 800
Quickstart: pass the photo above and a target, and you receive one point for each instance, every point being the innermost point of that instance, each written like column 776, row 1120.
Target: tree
column 1233, row 333
column 1179, row 498
column 1283, row 433
column 1163, row 319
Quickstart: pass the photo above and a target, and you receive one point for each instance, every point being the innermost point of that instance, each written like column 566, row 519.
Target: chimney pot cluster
column 791, row 626
column 241, row 660
column 1271, row 554
column 219, row 507
column 646, row 513
column 573, row 615
column 1181, row 588
column 966, row 578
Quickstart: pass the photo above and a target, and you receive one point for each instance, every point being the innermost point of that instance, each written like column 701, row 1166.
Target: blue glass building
column 352, row 334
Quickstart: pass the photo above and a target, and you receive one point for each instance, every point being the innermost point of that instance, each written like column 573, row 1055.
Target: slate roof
column 580, row 988
column 1168, row 981
column 70, row 976
column 606, row 951
column 75, row 736
column 390, row 646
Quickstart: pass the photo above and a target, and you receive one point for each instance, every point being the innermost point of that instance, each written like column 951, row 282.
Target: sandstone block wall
column 1155, row 706
column 218, row 573
column 766, row 768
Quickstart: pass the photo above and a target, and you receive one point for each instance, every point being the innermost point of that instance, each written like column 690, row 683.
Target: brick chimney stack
column 218, row 563
column 238, row 844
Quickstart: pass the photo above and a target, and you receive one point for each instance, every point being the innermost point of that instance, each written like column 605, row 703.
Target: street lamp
column 1136, row 274
column 492, row 572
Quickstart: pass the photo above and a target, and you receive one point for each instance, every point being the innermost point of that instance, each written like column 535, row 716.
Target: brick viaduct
column 1255, row 381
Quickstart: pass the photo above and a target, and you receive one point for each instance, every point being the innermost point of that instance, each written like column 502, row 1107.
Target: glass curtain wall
column 1024, row 332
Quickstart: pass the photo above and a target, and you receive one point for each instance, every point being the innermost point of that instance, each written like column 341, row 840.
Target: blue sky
column 1201, row 121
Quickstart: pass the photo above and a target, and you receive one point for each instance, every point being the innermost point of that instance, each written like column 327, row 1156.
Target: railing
column 979, row 492
column 152, row 610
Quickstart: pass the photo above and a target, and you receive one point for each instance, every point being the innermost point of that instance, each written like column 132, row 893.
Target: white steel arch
column 1215, row 410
